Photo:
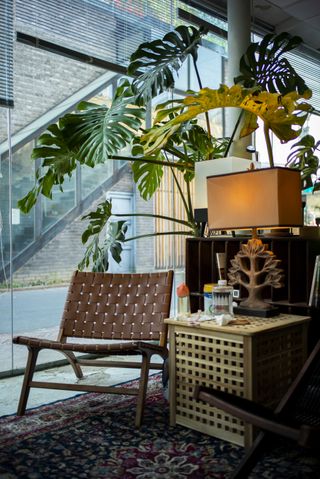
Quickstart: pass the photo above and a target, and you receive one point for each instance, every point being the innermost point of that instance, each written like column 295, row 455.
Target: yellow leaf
column 249, row 124
column 284, row 115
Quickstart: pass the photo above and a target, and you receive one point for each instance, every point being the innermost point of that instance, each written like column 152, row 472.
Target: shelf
column 287, row 303
column 297, row 257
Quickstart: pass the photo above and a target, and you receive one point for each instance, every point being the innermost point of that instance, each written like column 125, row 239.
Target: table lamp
column 255, row 199
column 218, row 166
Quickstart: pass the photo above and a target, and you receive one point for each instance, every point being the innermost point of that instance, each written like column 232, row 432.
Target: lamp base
column 255, row 268
column 260, row 313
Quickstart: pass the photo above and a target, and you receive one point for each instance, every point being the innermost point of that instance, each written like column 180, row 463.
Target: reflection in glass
column 181, row 79
column 210, row 69
column 40, row 95
column 22, row 182
column 91, row 178
column 60, row 204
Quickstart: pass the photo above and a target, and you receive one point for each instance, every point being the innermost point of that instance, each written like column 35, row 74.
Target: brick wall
column 144, row 247
column 42, row 80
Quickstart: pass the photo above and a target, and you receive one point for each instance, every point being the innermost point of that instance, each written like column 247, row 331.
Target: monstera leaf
column 285, row 115
column 304, row 158
column 190, row 143
column 90, row 136
column 199, row 145
column 99, row 132
column 54, row 147
column 97, row 220
column 59, row 161
column 194, row 144
column 95, row 254
column 171, row 115
column 263, row 64
column 147, row 175
column 99, row 254
column 154, row 63
column 115, row 236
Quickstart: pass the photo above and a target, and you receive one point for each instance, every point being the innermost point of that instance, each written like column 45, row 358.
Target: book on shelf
column 314, row 298
column 221, row 265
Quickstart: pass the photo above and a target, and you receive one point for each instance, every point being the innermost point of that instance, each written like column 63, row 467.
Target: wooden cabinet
column 297, row 257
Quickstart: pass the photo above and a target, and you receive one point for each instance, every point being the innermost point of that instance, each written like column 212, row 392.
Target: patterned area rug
column 92, row 436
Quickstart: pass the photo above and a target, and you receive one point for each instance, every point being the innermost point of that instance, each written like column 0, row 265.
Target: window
column 6, row 53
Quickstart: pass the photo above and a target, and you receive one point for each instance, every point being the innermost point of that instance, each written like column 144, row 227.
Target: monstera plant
column 268, row 88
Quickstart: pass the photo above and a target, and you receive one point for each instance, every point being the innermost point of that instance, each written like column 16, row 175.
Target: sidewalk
column 19, row 353
column 10, row 387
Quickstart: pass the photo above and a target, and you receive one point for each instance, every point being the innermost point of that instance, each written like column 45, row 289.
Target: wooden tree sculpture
column 255, row 268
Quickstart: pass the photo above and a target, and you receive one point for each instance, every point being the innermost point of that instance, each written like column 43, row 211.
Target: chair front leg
column 143, row 385
column 31, row 363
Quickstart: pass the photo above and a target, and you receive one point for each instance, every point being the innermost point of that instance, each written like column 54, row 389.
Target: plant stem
column 153, row 161
column 190, row 208
column 268, row 143
column 189, row 201
column 200, row 86
column 186, row 233
column 234, row 132
column 150, row 215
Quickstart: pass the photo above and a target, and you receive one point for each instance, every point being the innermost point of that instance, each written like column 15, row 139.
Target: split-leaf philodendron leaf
column 154, row 63
column 284, row 115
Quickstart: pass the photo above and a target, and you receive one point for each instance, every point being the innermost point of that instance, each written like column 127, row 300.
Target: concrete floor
column 10, row 387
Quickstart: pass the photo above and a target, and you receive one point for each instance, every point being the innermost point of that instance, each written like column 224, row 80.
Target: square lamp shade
column 268, row 197
column 218, row 166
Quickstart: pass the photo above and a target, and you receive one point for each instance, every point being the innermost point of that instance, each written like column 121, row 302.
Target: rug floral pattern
column 92, row 436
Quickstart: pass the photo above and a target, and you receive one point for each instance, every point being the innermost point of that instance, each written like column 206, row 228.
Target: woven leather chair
column 297, row 417
column 129, row 308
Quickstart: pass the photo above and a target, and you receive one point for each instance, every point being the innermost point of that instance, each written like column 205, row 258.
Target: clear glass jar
column 222, row 298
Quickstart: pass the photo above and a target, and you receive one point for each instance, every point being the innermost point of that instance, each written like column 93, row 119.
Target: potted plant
column 95, row 133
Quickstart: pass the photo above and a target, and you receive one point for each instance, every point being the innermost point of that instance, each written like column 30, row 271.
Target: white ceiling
column 300, row 17
column 297, row 17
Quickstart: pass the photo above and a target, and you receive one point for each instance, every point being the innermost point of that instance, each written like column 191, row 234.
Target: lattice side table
column 257, row 361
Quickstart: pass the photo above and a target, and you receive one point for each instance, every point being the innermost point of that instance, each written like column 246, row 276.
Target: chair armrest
column 248, row 411
column 153, row 348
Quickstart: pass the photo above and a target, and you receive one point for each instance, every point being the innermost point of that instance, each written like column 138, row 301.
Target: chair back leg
column 28, row 375
column 252, row 456
column 143, row 386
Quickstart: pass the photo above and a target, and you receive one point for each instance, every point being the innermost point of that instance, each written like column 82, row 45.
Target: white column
column 239, row 33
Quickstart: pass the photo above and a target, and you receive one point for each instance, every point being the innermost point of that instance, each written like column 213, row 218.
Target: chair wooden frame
column 297, row 417
column 128, row 310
